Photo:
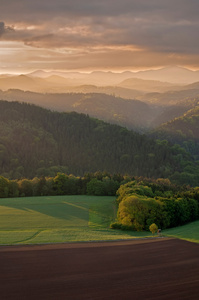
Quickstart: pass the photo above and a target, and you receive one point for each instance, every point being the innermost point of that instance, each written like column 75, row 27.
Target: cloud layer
column 101, row 34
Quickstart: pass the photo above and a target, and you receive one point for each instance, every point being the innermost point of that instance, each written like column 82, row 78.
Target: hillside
column 146, row 85
column 132, row 114
column 21, row 82
column 171, row 97
column 173, row 74
column 183, row 130
column 185, row 127
column 171, row 112
column 36, row 142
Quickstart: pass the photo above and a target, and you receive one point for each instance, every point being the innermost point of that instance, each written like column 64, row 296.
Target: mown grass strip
column 189, row 232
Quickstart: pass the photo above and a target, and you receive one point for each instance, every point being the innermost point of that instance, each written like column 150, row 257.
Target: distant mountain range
column 118, row 84
column 176, row 75
column 172, row 75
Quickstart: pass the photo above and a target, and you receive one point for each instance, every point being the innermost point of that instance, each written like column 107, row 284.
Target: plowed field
column 141, row 269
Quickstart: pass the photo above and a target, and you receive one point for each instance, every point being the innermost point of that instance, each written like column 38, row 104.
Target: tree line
column 144, row 202
column 141, row 201
column 98, row 184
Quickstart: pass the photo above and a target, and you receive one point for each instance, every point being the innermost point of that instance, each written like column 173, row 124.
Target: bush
column 115, row 225
column 153, row 228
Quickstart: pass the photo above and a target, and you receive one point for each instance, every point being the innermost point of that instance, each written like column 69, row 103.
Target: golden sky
column 88, row 35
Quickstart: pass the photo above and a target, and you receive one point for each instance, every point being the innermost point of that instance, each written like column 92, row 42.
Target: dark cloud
column 5, row 29
column 2, row 28
column 170, row 9
column 166, row 28
column 162, row 25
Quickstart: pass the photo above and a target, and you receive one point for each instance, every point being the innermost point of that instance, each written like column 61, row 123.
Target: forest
column 183, row 130
column 98, row 184
column 36, row 142
column 143, row 202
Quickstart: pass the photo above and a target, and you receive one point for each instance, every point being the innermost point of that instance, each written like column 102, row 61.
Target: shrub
column 153, row 228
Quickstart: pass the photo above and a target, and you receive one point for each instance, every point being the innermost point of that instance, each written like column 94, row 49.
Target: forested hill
column 186, row 126
column 35, row 142
column 183, row 130
column 132, row 114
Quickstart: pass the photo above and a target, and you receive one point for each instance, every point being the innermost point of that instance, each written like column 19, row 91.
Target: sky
column 89, row 35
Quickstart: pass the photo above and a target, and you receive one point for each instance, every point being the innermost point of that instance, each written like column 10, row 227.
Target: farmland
column 141, row 269
column 56, row 270
column 59, row 219
column 189, row 232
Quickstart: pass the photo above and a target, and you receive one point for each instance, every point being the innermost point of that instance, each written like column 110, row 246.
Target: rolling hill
column 132, row 114
column 170, row 98
column 183, row 130
column 174, row 74
column 146, row 85
column 130, row 88
column 35, row 142
column 186, row 126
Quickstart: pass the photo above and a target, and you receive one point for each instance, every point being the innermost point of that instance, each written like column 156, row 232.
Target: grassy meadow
column 189, row 232
column 59, row 219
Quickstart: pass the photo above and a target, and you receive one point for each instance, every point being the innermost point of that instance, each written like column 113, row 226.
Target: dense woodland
column 144, row 202
column 36, row 142
column 183, row 130
column 98, row 184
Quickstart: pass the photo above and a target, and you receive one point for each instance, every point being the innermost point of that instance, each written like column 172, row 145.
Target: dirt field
column 154, row 269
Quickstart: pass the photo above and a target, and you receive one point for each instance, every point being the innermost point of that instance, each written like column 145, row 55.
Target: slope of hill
column 192, row 86
column 183, row 130
column 146, row 85
column 172, row 112
column 173, row 74
column 133, row 114
column 186, row 126
column 20, row 82
column 170, row 97
column 34, row 84
column 36, row 142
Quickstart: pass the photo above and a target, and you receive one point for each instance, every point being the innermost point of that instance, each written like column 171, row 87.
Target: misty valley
column 136, row 138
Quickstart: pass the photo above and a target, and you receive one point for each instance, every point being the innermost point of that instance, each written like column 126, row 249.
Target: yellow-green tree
column 153, row 228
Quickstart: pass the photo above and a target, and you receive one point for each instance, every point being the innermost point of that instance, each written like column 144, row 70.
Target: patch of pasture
column 189, row 232
column 57, row 219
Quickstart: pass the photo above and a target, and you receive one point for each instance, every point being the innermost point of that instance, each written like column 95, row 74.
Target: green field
column 61, row 219
column 189, row 232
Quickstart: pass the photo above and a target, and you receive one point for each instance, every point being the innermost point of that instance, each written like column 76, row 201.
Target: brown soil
column 146, row 269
